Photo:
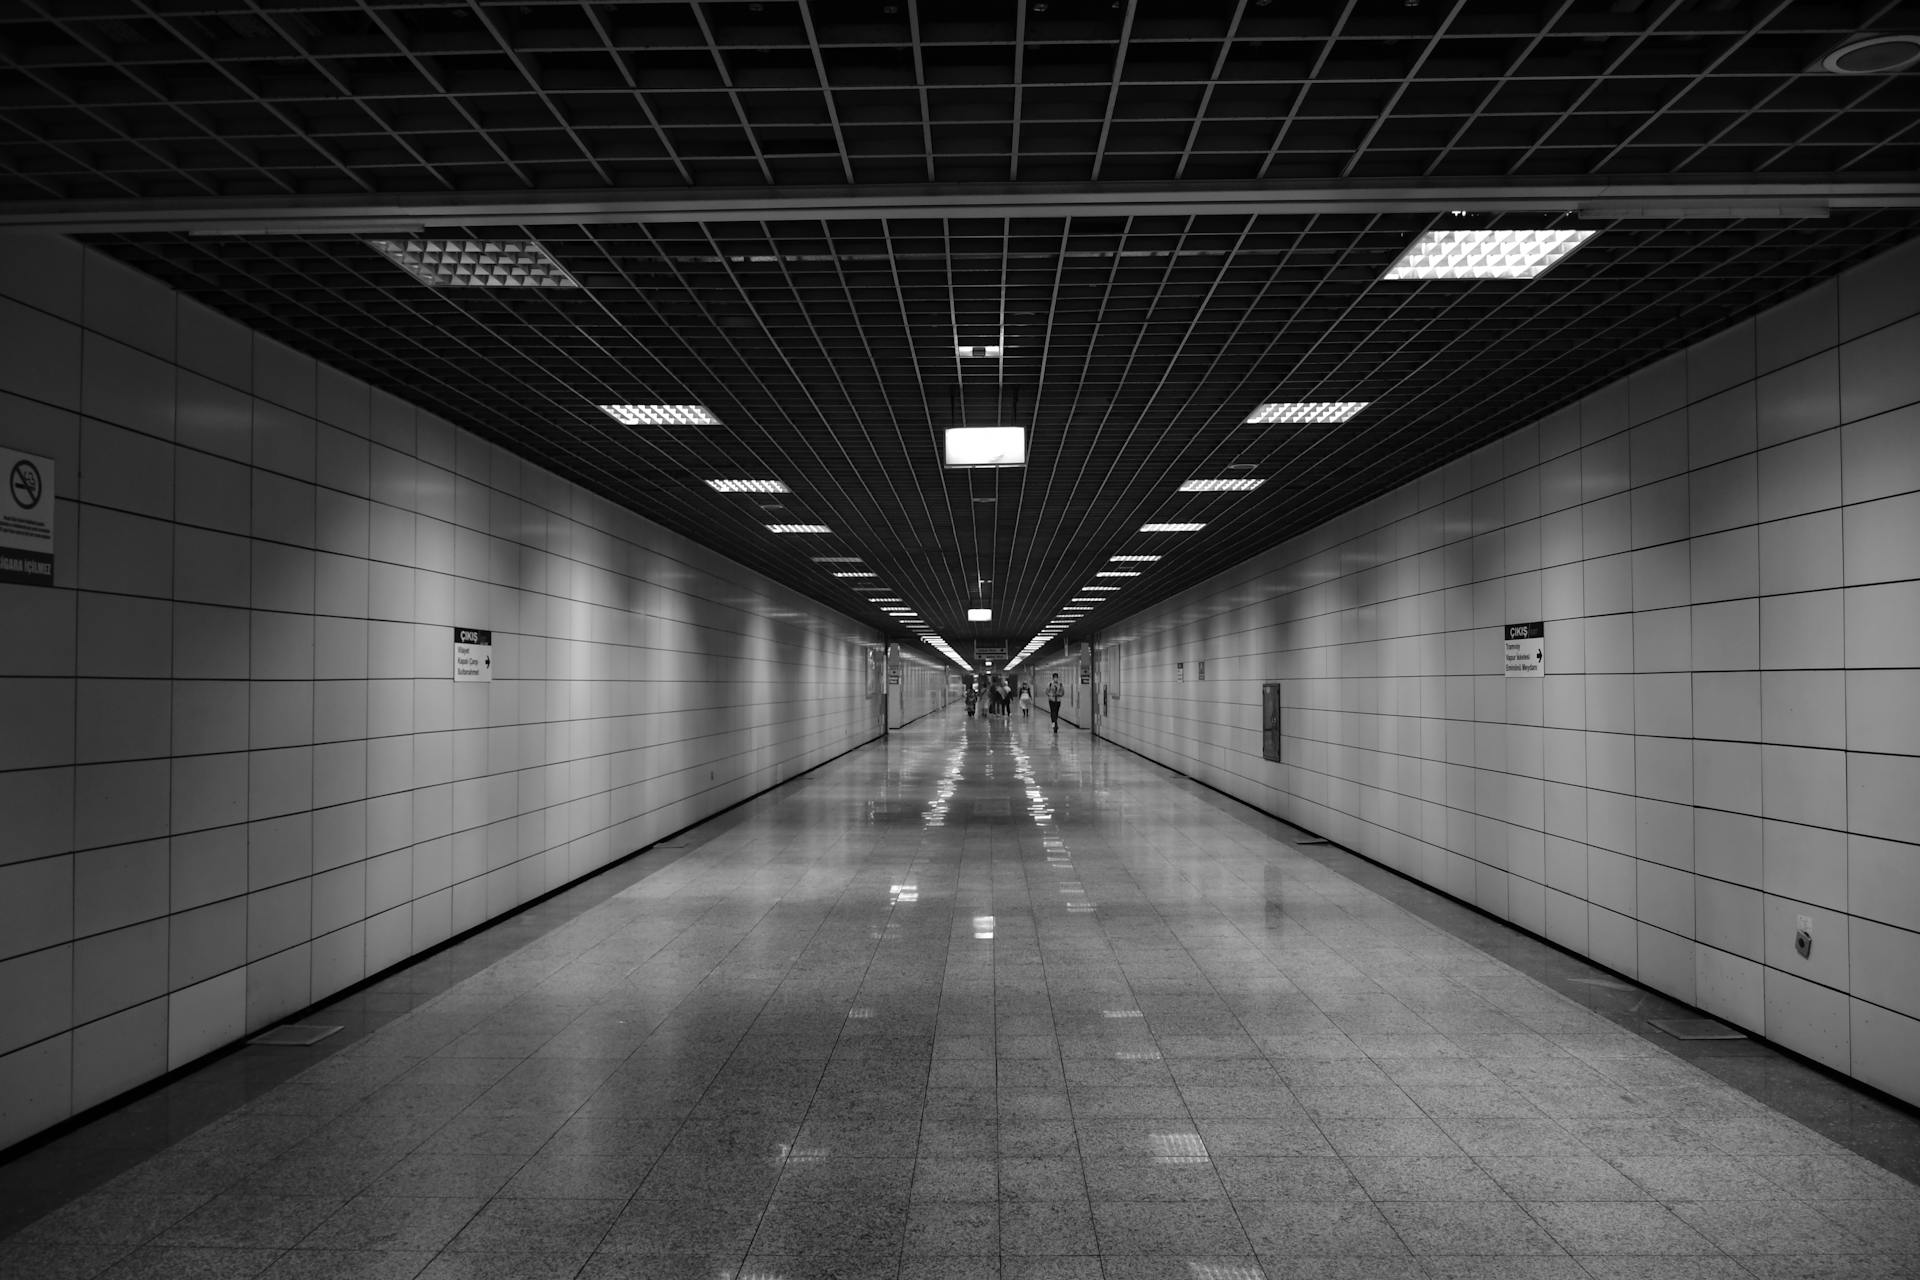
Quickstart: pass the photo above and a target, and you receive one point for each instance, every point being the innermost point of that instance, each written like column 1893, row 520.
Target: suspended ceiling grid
column 1135, row 344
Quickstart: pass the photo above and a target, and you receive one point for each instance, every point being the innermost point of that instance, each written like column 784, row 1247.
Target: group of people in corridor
column 1002, row 696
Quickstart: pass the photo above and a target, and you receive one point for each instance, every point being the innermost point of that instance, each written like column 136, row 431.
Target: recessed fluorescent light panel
column 1485, row 255
column 1145, row 558
column 855, row 573
column 1101, row 587
column 1118, row 573
column 1220, row 486
column 1308, row 411
column 979, row 615
column 986, row 446
column 660, row 415
column 978, row 353
column 836, row 559
column 748, row 486
column 483, row 264
column 798, row 528
column 1177, row 527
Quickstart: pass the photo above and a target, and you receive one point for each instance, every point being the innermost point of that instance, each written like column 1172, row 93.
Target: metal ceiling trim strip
column 312, row 215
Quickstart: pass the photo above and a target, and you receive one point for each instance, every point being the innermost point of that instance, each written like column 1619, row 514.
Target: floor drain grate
column 294, row 1035
column 1696, row 1029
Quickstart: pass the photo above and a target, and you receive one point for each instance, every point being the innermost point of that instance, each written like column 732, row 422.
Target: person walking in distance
column 1026, row 701
column 1055, row 692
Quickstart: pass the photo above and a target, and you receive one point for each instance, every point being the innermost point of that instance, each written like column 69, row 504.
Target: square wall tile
column 1804, row 785
column 207, row 866
column 214, row 346
column 1728, row 846
column 1800, row 399
column 1724, row 496
column 1807, row 1018
column 1882, row 540
column 118, row 1052
column 36, row 996
column 36, row 905
column 1730, row 987
column 1883, row 881
column 1880, row 456
column 126, row 470
column 1886, row 1049
column 1807, row 864
column 1883, row 711
column 119, row 886
column 35, row 1088
column 1880, row 622
column 1878, row 373
column 1885, row 965
column 1730, row 917
column 127, row 388
column 125, row 554
column 206, row 1016
column 1800, row 476
column 1803, row 631
column 1804, row 708
column 1725, row 566
column 1726, row 775
column 113, row 971
column 1883, row 795
column 120, row 803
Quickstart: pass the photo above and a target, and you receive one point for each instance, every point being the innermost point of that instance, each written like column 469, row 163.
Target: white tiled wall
column 1725, row 548
column 236, row 772
column 923, row 685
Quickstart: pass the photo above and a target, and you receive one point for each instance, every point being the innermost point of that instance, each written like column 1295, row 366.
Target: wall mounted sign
column 1179, row 673
column 26, row 518
column 472, row 655
column 1200, row 669
column 1526, row 644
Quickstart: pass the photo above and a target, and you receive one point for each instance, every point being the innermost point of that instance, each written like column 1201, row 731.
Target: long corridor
column 979, row 1001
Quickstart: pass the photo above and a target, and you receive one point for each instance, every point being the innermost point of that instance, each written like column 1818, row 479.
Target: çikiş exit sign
column 1526, row 648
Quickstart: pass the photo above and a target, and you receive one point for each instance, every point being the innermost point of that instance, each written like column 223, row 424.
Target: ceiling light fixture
column 748, row 486
column 986, row 446
column 484, row 264
column 978, row 353
column 1873, row 56
column 1101, row 586
column 1485, row 255
column 836, row 559
column 1120, row 558
column 1189, row 526
column 979, row 615
column 855, row 573
column 1220, row 486
column 798, row 528
column 1308, row 411
column 660, row 415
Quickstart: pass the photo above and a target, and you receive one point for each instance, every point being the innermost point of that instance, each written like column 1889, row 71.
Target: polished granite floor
column 980, row 1001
